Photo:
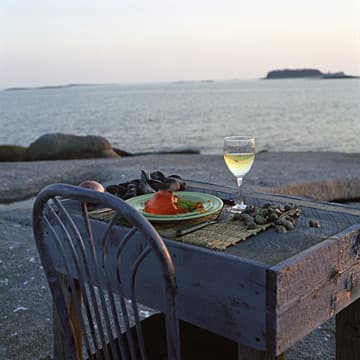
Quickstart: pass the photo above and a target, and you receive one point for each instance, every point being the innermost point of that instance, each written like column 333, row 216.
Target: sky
column 44, row 42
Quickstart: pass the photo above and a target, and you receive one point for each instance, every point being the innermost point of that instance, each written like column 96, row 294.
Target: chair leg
column 246, row 353
column 348, row 333
column 59, row 339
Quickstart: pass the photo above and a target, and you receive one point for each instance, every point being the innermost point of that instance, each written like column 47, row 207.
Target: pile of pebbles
column 283, row 217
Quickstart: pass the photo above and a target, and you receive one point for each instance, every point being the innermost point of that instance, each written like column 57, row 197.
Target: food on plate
column 167, row 203
column 93, row 185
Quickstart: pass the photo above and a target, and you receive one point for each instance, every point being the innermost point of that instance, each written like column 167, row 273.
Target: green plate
column 211, row 203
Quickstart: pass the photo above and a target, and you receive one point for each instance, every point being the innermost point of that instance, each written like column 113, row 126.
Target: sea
column 283, row 115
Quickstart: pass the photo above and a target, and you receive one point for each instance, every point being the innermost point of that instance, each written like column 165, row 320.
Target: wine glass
column 239, row 155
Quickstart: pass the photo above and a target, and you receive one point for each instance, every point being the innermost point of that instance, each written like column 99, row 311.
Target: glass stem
column 240, row 200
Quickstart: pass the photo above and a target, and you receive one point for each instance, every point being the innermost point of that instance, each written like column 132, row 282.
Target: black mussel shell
column 118, row 190
column 157, row 175
column 144, row 186
column 147, row 184
column 132, row 191
column 156, row 184
column 172, row 184
column 180, row 181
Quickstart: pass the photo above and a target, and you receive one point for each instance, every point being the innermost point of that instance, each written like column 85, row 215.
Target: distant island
column 46, row 87
column 306, row 73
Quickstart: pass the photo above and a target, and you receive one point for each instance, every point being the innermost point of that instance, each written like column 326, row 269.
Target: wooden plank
column 311, row 287
column 216, row 292
column 348, row 333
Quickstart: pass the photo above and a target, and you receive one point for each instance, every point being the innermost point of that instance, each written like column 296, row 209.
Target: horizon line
column 69, row 85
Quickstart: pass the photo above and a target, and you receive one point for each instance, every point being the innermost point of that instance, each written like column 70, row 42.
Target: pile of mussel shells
column 149, row 182
column 283, row 217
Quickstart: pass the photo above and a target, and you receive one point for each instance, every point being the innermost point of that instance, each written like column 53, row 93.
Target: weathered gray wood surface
column 271, row 247
column 309, row 288
column 348, row 333
column 271, row 290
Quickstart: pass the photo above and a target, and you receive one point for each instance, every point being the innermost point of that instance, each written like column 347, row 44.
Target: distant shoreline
column 47, row 87
column 66, row 86
column 321, row 76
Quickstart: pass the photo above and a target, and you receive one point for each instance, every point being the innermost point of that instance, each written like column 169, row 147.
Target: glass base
column 238, row 208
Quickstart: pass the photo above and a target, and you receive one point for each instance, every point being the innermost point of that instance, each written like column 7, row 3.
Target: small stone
column 297, row 212
column 260, row 220
column 288, row 225
column 266, row 205
column 273, row 216
column 289, row 206
column 251, row 225
column 314, row 223
column 249, row 209
column 291, row 219
column 281, row 229
column 279, row 221
column 246, row 217
column 263, row 212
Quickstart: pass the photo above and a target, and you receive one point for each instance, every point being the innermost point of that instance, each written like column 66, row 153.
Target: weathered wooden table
column 269, row 291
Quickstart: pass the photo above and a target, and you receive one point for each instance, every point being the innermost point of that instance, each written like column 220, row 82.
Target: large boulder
column 63, row 146
column 12, row 152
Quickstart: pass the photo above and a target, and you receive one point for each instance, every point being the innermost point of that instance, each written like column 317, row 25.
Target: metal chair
column 92, row 273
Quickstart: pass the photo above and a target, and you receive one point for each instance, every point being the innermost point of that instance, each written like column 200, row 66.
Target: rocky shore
column 25, row 318
column 59, row 146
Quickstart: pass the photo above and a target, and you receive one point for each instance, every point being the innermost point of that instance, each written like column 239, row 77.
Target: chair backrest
column 101, row 263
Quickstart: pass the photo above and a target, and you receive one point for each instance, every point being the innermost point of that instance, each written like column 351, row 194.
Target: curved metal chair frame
column 66, row 245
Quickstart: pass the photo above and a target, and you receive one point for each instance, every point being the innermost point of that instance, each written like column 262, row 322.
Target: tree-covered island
column 305, row 73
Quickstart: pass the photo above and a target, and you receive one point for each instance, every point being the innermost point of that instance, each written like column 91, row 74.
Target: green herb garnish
column 190, row 205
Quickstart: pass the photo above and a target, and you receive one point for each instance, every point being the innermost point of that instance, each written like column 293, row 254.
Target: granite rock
column 58, row 146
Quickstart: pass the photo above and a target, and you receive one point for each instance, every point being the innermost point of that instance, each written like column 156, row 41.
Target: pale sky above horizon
column 46, row 42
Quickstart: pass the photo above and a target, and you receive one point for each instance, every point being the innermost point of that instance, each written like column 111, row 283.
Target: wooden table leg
column 59, row 339
column 246, row 353
column 348, row 333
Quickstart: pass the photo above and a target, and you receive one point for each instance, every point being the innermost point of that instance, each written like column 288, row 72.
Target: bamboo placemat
column 218, row 236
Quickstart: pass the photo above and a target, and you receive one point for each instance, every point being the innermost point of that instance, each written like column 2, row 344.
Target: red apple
column 93, row 185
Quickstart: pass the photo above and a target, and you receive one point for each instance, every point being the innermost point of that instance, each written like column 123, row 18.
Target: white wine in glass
column 239, row 155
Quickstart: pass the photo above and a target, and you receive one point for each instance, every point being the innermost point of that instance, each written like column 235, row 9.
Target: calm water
column 284, row 115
